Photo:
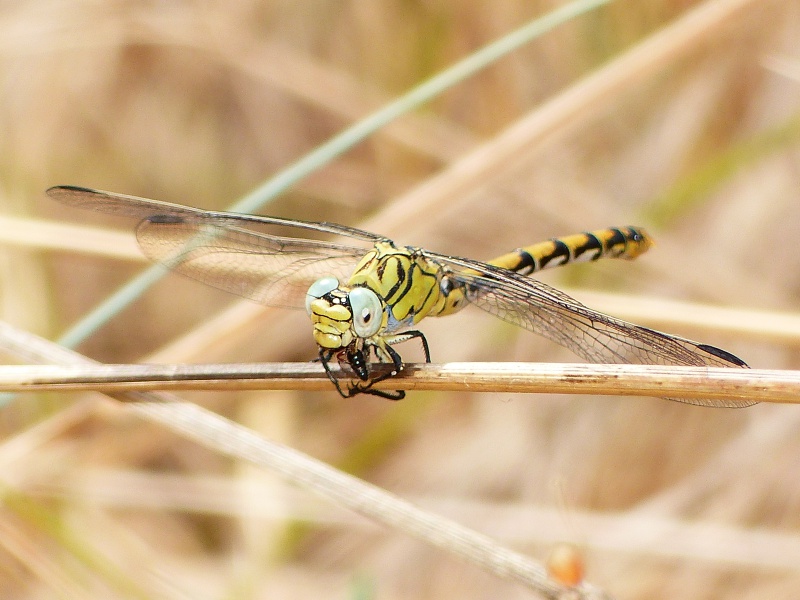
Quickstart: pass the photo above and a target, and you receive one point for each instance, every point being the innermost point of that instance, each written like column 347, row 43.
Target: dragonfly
column 366, row 294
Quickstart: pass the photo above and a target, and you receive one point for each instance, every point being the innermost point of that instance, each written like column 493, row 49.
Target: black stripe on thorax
column 403, row 280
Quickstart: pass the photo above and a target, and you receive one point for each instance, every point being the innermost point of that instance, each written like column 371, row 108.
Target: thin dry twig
column 757, row 385
column 213, row 431
column 666, row 313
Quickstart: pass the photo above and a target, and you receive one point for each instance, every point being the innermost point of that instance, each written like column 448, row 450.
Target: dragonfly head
column 343, row 317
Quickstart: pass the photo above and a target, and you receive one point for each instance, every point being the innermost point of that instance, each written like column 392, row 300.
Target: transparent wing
column 225, row 251
column 592, row 335
column 269, row 269
column 143, row 208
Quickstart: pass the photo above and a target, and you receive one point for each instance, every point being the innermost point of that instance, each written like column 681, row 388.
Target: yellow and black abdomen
column 615, row 242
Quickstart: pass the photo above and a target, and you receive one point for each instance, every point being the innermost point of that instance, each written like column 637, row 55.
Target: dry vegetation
column 199, row 102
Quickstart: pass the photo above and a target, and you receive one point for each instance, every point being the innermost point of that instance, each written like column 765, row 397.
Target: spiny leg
column 407, row 335
column 393, row 395
column 386, row 354
column 325, row 357
column 358, row 361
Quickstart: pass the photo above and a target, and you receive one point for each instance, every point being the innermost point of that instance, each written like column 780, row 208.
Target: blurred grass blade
column 339, row 144
column 699, row 184
column 411, row 100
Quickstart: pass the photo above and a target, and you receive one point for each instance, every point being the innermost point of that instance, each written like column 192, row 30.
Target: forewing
column 117, row 204
column 273, row 270
column 144, row 208
column 267, row 259
column 592, row 335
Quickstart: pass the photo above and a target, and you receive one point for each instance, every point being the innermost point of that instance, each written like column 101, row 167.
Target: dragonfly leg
column 358, row 360
column 407, row 335
column 326, row 355
column 393, row 395
column 385, row 353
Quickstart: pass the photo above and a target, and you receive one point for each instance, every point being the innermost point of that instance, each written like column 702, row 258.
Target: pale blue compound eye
column 367, row 310
column 318, row 289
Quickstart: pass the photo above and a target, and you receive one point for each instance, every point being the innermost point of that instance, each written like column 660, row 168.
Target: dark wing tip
column 723, row 355
column 75, row 195
column 57, row 190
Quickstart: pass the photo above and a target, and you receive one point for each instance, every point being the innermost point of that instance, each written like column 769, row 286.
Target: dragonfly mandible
column 365, row 298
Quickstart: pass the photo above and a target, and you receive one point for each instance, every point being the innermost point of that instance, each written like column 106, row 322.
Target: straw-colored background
column 199, row 102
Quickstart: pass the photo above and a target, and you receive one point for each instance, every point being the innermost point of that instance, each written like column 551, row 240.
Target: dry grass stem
column 38, row 234
column 756, row 385
column 667, row 315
